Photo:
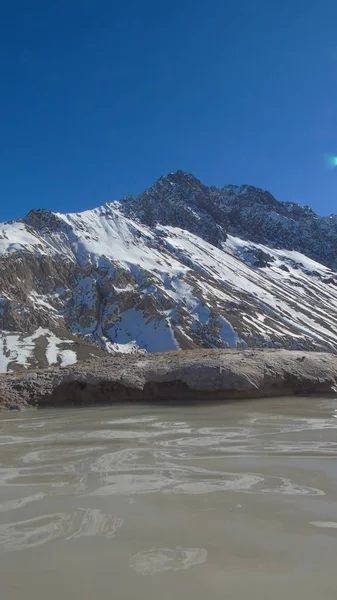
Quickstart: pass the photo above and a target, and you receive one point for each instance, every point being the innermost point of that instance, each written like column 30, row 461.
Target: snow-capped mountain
column 182, row 265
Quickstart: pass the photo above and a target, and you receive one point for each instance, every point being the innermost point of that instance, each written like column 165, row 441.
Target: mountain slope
column 167, row 271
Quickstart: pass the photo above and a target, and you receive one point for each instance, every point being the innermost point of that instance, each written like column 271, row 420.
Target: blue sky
column 99, row 98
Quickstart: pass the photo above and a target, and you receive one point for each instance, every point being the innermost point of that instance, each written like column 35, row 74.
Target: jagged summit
column 181, row 200
column 181, row 178
column 180, row 266
column 43, row 219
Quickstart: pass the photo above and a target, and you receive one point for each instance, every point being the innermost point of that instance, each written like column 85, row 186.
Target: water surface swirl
column 147, row 502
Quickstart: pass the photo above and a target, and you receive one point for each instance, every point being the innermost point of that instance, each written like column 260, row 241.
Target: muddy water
column 231, row 501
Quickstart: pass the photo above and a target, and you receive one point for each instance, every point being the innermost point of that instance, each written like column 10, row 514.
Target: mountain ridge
column 180, row 266
column 223, row 211
column 239, row 209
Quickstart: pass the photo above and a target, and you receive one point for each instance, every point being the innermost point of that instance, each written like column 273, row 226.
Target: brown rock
column 186, row 376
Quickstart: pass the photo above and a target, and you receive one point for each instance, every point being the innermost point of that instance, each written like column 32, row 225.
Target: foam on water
column 156, row 560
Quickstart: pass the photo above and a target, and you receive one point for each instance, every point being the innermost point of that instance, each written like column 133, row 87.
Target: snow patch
column 134, row 331
column 227, row 333
column 22, row 350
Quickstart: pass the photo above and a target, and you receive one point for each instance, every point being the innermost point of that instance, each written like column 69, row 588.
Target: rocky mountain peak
column 42, row 219
column 182, row 179
column 180, row 187
column 181, row 200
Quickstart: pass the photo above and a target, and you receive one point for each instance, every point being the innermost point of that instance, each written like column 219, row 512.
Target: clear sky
column 98, row 98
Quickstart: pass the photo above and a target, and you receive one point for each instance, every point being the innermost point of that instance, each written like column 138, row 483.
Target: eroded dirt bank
column 191, row 375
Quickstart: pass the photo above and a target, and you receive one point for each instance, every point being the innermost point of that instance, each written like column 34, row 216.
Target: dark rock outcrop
column 181, row 200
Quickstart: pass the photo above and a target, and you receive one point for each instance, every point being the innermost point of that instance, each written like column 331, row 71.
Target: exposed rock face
column 167, row 271
column 198, row 375
column 181, row 200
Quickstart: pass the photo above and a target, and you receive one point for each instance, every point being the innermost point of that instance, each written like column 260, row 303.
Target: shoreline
column 187, row 376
